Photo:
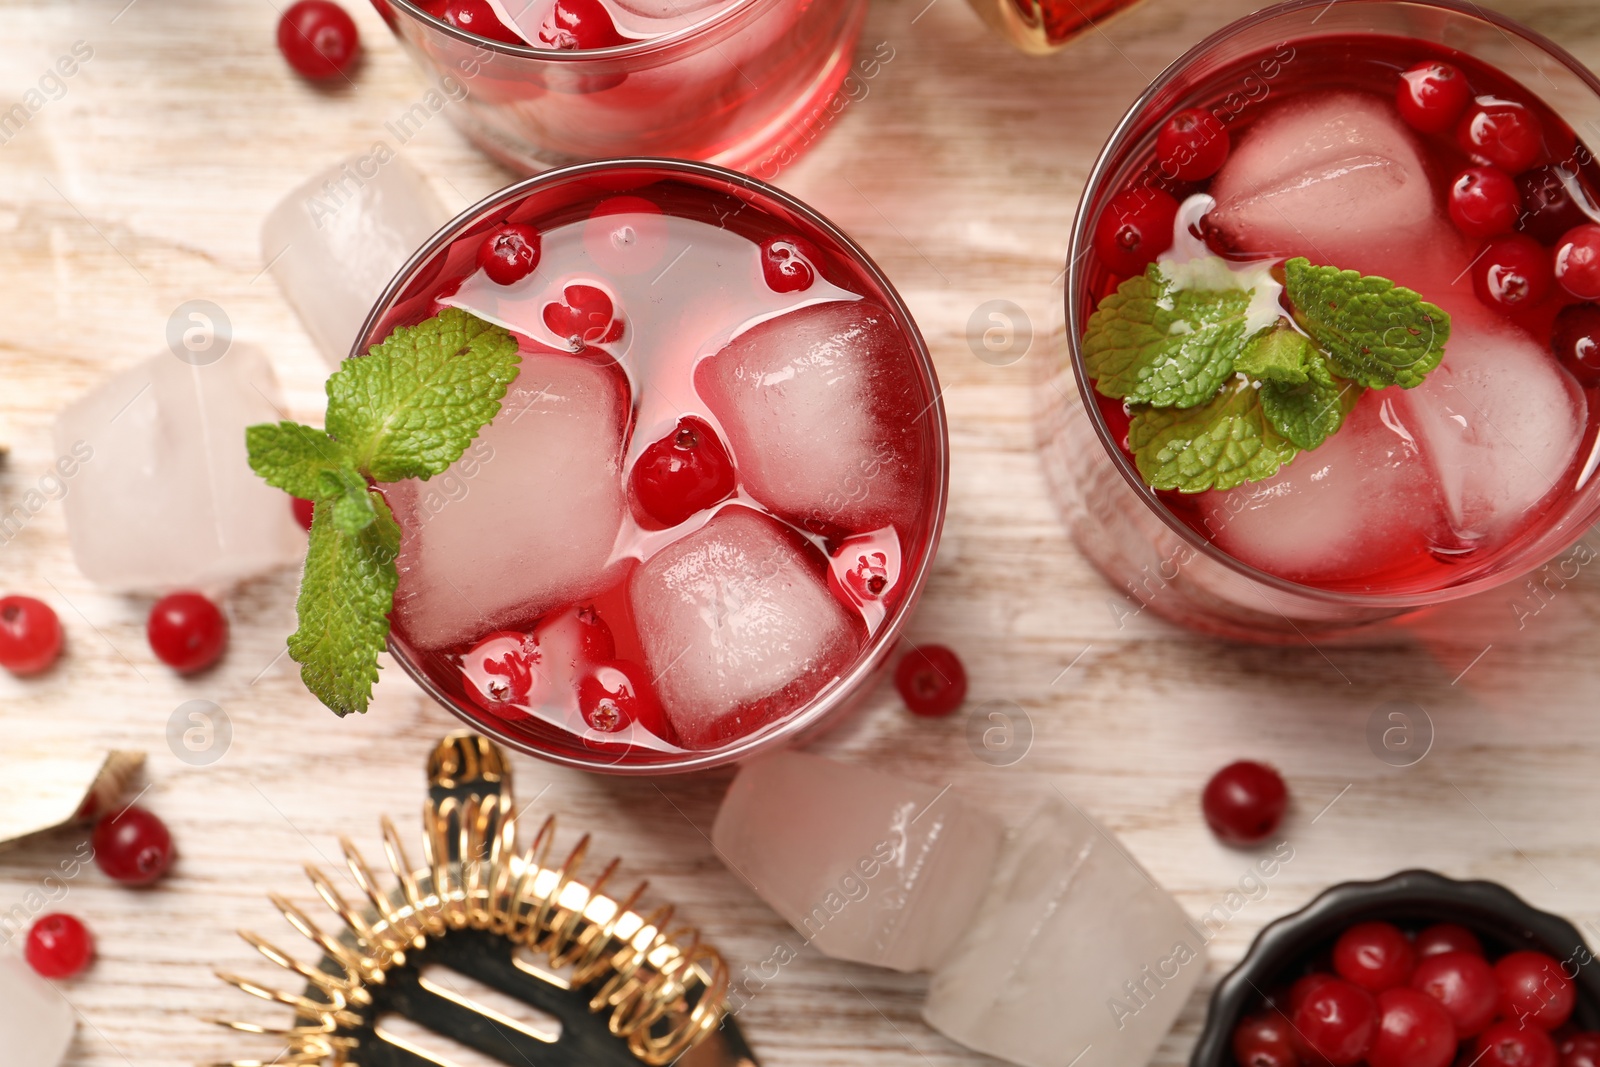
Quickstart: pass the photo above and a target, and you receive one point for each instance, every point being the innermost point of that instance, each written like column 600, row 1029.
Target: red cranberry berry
column 579, row 26
column 1576, row 341
column 1464, row 983
column 1513, row 273
column 187, row 632
column 1500, row 133
column 509, row 253
column 1192, row 145
column 1431, row 96
column 789, row 263
column 1374, row 955
column 1414, row 1030
column 931, row 681
column 612, row 695
column 475, row 17
column 585, row 317
column 1244, row 802
column 1553, row 202
column 1446, row 937
column 1336, row 1022
column 59, row 946
column 504, row 674
column 1265, row 1040
column 132, row 846
column 1304, row 987
column 1484, row 202
column 685, row 472
column 1534, row 989
column 1577, row 262
column 1134, row 229
column 304, row 511
column 1581, row 1050
column 1510, row 1044
column 318, row 38
column 30, row 635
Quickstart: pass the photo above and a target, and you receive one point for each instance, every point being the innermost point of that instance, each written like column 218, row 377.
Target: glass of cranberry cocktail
column 1331, row 316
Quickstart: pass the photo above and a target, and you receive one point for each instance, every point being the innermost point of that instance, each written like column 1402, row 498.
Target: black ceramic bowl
column 1291, row 946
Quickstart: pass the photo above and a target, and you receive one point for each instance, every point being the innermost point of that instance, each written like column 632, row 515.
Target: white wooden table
column 143, row 186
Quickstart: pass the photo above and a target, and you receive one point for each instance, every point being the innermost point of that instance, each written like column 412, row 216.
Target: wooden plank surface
column 143, row 185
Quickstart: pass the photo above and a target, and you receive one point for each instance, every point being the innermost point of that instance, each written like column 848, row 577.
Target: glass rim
column 870, row 658
column 1080, row 244
column 647, row 46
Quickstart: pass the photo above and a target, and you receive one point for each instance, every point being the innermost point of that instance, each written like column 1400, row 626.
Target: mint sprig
column 407, row 409
column 1374, row 332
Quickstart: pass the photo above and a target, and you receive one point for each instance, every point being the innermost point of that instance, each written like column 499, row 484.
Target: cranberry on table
column 1513, row 273
column 1244, row 802
column 1134, row 229
column 788, row 263
column 30, row 635
column 1265, row 1040
column 1577, row 261
column 1500, row 133
column 931, row 681
column 1446, row 937
column 685, row 472
column 1336, row 1022
column 304, row 511
column 509, row 253
column 1432, row 96
column 1464, row 984
column 475, row 17
column 132, row 846
column 1534, row 989
column 1192, row 145
column 58, row 946
column 1510, row 1044
column 187, row 632
column 1484, row 202
column 1553, row 202
column 318, row 38
column 1414, row 1030
column 1375, row 956
column 1581, row 1050
column 1575, row 340
column 579, row 26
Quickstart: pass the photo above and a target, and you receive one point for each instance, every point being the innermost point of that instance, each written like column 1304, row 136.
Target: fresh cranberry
column 1304, row 986
column 585, row 318
column 1534, row 989
column 1192, row 145
column 1484, row 202
column 476, row 17
column 304, row 511
column 187, row 632
column 1465, row 984
column 1431, row 96
column 1577, row 262
column 1264, row 1040
column 1414, row 1030
column 505, row 674
column 509, row 253
column 612, row 695
column 1553, row 202
column 1513, row 273
column 1446, row 937
column 685, row 472
column 1134, row 229
column 1510, row 1044
column 595, row 640
column 1244, row 802
column 132, row 846
column 579, row 25
column 1500, row 133
column 30, row 635
column 867, row 572
column 1336, row 1022
column 931, row 681
column 1374, row 955
column 789, row 263
column 59, row 946
column 1581, row 1050
column 1576, row 341
column 318, row 38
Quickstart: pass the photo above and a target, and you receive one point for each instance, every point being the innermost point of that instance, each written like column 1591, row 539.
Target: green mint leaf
column 1219, row 445
column 344, row 605
column 293, row 457
column 413, row 404
column 353, row 510
column 1149, row 344
column 1279, row 353
column 1373, row 331
column 1308, row 413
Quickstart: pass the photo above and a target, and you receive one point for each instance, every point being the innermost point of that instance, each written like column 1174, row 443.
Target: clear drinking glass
column 1125, row 528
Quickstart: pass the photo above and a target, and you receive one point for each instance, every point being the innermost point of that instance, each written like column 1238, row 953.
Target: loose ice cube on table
column 336, row 241
column 821, row 411
column 161, row 493
column 866, row 866
column 36, row 1022
column 1075, row 956
column 525, row 520
column 738, row 626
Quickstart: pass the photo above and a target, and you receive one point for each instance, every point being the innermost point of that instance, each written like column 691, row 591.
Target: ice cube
column 866, row 866
column 1075, row 956
column 1360, row 505
column 820, row 409
column 1335, row 177
column 336, row 241
column 36, row 1022
column 525, row 520
column 163, row 495
column 738, row 626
